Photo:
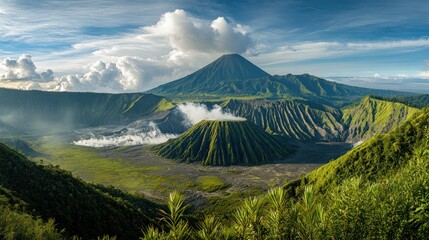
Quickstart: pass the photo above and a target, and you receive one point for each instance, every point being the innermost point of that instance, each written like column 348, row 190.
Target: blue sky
column 120, row 46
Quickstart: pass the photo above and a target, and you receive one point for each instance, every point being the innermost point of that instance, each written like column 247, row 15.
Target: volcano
column 223, row 143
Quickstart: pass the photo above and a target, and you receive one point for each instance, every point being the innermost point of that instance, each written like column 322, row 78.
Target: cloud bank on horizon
column 129, row 46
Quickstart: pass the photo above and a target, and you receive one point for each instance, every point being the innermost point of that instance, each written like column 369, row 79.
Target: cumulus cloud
column 101, row 76
column 187, row 34
column 196, row 112
column 126, row 74
column 32, row 86
column 23, row 69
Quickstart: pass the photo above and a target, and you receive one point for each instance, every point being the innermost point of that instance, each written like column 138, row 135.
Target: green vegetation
column 375, row 158
column 393, row 207
column 87, row 163
column 211, row 183
column 221, row 143
column 371, row 116
column 61, row 111
column 76, row 206
column 16, row 224
column 417, row 101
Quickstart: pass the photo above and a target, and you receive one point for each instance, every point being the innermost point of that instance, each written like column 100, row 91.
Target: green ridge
column 371, row 116
column 304, row 120
column 378, row 156
column 221, row 143
column 82, row 209
column 290, row 118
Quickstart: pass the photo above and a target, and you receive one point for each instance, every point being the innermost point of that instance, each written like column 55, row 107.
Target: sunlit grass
column 211, row 183
column 86, row 163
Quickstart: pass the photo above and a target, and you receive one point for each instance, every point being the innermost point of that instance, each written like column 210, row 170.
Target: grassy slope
column 15, row 223
column 87, row 163
column 304, row 120
column 293, row 119
column 376, row 157
column 65, row 110
column 371, row 116
column 83, row 209
column 224, row 143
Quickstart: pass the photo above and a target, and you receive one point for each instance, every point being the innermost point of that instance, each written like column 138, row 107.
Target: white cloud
column 319, row 50
column 188, row 34
column 424, row 74
column 23, row 69
column 32, row 86
column 389, row 44
column 196, row 41
column 126, row 74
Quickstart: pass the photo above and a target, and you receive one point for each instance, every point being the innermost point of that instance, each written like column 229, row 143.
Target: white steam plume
column 196, row 112
column 131, row 137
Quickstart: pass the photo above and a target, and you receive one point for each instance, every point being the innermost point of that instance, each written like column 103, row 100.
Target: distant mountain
column 234, row 76
column 222, row 143
column 6, row 130
column 82, row 209
column 229, row 75
column 327, row 92
column 59, row 111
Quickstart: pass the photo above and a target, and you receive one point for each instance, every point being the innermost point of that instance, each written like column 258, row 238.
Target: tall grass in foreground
column 396, row 207
column 15, row 224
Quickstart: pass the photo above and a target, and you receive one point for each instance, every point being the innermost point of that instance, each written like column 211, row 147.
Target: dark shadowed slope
column 221, row 143
column 81, row 208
